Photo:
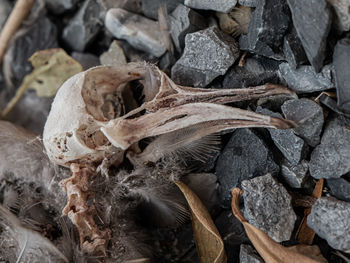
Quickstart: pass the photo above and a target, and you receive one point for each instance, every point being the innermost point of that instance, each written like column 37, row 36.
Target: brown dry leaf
column 270, row 250
column 305, row 235
column 209, row 244
column 52, row 67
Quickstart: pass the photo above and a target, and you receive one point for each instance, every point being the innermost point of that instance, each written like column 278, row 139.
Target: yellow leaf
column 52, row 67
column 270, row 250
column 209, row 244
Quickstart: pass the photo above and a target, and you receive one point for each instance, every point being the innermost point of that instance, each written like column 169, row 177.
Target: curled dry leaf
column 52, row 68
column 305, row 235
column 270, row 250
column 209, row 244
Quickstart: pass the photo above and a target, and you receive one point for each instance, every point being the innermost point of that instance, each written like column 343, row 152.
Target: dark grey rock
column 342, row 11
column 295, row 176
column 309, row 117
column 305, row 80
column 41, row 35
column 217, row 5
column 150, row 7
column 312, row 21
column 292, row 147
column 5, row 10
column 245, row 156
column 248, row 254
column 330, row 219
column 208, row 54
column 268, row 25
column 275, row 102
column 267, row 205
column 84, row 26
column 140, row 32
column 59, row 7
column 232, row 233
column 250, row 3
column 340, row 188
column 341, row 62
column 253, row 73
column 330, row 159
column 184, row 20
column 332, row 104
column 293, row 50
column 87, row 60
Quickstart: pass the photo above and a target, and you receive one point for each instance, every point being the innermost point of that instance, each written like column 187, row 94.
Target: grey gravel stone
column 312, row 21
column 293, row 50
column 245, row 156
column 275, row 102
column 340, row 188
column 295, row 175
column 292, row 147
column 184, row 20
column 341, row 62
column 309, row 117
column 150, row 7
column 305, row 80
column 268, row 25
column 342, row 11
column 330, row 159
column 330, row 219
column 61, row 6
column 248, row 254
column 41, row 35
column 267, row 205
column 84, row 26
column 114, row 56
column 140, row 32
column 217, row 5
column 5, row 10
column 250, row 3
column 208, row 54
column 87, row 60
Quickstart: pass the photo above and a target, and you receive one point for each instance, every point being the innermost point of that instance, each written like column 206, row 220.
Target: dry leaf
column 209, row 244
column 305, row 235
column 270, row 250
column 52, row 67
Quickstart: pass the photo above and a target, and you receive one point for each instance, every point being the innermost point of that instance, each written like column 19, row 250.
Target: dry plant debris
column 270, row 250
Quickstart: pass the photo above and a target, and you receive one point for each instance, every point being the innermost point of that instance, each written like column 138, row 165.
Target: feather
column 31, row 246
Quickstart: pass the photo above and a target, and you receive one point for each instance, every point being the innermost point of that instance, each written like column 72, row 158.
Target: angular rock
column 293, row 50
column 84, row 26
column 312, row 21
column 250, row 3
column 59, row 7
column 341, row 62
column 140, row 32
column 342, row 11
column 150, row 7
column 245, row 156
column 41, row 35
column 292, row 147
column 248, row 254
column 305, row 80
column 330, row 219
column 184, row 20
column 217, row 5
column 208, row 54
column 275, row 102
column 330, row 159
column 295, row 175
column 340, row 188
column 253, row 73
column 309, row 117
column 267, row 27
column 114, row 56
column 87, row 60
column 267, row 205
column 330, row 103
column 232, row 232
column 5, row 10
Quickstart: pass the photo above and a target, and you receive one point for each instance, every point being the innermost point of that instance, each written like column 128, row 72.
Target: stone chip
column 217, row 5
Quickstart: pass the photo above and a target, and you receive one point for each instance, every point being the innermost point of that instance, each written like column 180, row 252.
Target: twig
column 18, row 14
